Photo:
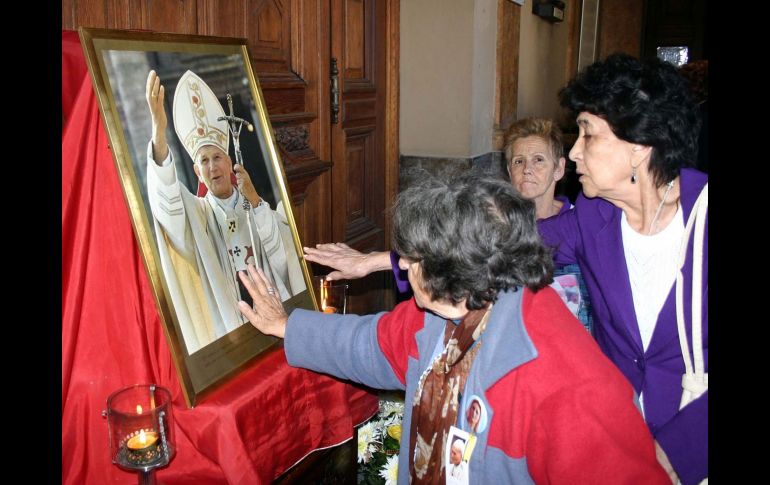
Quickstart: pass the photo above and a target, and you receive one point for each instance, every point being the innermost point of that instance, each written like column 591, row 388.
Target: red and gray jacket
column 558, row 410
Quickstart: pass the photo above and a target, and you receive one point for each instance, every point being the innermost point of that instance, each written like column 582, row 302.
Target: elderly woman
column 638, row 131
column 482, row 325
column 534, row 153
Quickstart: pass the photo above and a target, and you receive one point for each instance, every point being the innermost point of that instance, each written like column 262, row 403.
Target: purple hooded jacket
column 590, row 236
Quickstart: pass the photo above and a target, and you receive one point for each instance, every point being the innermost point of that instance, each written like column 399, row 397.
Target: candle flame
column 138, row 409
column 324, row 286
column 142, row 439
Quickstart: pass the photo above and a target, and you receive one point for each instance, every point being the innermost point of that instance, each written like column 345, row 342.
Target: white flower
column 365, row 438
column 377, row 429
column 390, row 407
column 390, row 471
column 391, row 420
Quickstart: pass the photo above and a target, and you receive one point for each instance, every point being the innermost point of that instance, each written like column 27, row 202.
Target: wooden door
column 358, row 192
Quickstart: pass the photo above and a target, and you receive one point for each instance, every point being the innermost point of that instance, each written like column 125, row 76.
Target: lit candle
column 142, row 448
column 142, row 440
column 324, row 295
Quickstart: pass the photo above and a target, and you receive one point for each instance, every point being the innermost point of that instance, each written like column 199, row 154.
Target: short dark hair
column 474, row 237
column 647, row 102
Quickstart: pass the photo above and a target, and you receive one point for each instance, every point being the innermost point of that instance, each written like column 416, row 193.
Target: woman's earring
column 633, row 175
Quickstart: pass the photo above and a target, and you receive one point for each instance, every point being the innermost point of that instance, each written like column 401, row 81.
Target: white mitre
column 196, row 110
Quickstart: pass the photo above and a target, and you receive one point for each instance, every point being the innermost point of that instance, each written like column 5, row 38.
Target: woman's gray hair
column 474, row 237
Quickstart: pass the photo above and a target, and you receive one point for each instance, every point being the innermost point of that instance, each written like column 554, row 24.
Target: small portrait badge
column 455, row 462
column 476, row 415
column 569, row 290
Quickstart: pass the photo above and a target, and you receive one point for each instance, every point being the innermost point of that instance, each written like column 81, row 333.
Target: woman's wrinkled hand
column 348, row 263
column 267, row 315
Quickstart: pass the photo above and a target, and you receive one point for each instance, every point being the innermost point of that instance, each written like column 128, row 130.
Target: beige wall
column 437, row 48
column 542, row 63
column 483, row 76
column 448, row 68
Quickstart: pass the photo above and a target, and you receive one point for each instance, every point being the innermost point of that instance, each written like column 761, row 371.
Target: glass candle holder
column 140, row 428
column 332, row 295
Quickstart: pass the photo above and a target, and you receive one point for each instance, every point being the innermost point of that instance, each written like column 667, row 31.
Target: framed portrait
column 205, row 187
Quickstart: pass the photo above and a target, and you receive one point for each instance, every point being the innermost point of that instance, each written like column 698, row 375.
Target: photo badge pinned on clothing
column 568, row 289
column 476, row 415
column 455, row 462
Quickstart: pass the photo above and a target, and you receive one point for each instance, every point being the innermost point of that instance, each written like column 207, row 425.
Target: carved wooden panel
column 222, row 19
column 358, row 44
column 364, row 172
column 266, row 24
column 282, row 98
column 354, row 38
column 292, row 138
column 357, row 151
column 360, row 111
column 269, row 35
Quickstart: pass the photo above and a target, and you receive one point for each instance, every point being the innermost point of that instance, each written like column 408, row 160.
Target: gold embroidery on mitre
column 196, row 114
column 203, row 133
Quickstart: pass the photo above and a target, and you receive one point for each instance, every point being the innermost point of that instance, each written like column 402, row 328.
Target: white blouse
column 652, row 268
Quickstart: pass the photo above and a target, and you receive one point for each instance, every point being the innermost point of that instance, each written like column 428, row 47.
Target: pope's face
column 214, row 168
column 455, row 455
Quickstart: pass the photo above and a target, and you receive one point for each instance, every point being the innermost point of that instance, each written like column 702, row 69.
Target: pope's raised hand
column 155, row 95
column 245, row 185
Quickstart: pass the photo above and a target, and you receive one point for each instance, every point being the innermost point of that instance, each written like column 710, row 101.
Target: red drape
column 249, row 431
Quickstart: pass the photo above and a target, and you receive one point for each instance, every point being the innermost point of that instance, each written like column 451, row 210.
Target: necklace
column 660, row 207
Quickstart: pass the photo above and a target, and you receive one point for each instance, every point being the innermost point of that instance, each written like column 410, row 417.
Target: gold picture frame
column 205, row 350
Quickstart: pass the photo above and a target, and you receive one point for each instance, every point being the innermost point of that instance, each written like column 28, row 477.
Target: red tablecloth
column 250, row 430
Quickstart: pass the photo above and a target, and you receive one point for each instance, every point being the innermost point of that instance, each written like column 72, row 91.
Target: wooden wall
column 620, row 27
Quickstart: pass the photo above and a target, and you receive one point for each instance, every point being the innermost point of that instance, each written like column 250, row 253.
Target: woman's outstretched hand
column 267, row 315
column 348, row 263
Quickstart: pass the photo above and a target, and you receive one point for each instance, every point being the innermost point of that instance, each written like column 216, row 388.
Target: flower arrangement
column 378, row 443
